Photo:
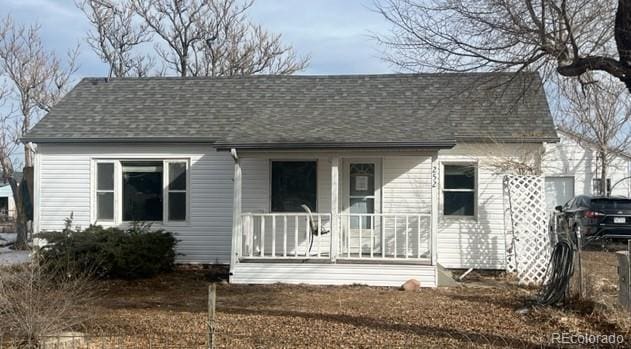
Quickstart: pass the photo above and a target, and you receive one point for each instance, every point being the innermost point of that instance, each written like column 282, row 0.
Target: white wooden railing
column 358, row 236
column 286, row 235
column 385, row 236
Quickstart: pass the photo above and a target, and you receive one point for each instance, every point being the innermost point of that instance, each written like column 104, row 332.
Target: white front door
column 362, row 200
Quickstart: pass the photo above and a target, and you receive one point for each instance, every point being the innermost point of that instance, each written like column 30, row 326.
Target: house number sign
column 434, row 176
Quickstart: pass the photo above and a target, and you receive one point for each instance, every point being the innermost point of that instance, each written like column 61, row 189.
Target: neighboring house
column 7, row 204
column 395, row 169
column 571, row 167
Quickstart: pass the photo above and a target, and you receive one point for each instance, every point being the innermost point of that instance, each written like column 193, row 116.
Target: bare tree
column 570, row 38
column 36, row 79
column 214, row 38
column 116, row 35
column 600, row 115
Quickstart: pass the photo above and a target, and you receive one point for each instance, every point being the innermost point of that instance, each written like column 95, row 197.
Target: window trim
column 476, row 185
column 271, row 179
column 118, row 175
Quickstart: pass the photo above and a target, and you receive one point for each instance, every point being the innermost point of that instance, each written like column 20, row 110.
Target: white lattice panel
column 529, row 252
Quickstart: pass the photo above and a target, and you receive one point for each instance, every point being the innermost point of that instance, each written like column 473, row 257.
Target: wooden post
column 335, row 231
column 434, row 211
column 236, row 213
column 212, row 291
column 579, row 243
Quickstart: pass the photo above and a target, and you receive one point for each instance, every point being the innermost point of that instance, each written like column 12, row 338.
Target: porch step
column 445, row 278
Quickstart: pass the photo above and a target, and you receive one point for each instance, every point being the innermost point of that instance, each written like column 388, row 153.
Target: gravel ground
column 174, row 306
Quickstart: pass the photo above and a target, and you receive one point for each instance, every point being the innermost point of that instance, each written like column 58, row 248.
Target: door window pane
column 105, row 205
column 362, row 179
column 177, row 206
column 294, row 184
column 142, row 191
column 361, row 206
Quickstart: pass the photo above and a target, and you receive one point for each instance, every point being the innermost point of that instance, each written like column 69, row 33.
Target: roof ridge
column 308, row 76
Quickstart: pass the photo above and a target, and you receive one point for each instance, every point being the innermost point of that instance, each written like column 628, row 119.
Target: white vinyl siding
column 64, row 173
column 407, row 185
column 569, row 158
column 479, row 241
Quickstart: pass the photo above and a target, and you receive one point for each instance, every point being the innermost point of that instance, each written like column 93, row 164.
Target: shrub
column 135, row 252
column 36, row 301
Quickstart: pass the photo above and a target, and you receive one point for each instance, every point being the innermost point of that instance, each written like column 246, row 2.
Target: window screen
column 293, row 184
column 459, row 190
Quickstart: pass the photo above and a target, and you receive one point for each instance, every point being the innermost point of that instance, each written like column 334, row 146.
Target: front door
column 362, row 202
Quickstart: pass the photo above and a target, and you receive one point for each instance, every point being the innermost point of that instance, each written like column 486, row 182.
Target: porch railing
column 286, row 235
column 385, row 236
column 359, row 236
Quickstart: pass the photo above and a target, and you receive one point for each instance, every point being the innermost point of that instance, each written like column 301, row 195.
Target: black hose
column 558, row 274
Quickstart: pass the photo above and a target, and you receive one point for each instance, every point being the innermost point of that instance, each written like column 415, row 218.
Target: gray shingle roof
column 307, row 110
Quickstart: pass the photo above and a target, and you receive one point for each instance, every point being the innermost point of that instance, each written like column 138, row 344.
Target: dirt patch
column 354, row 316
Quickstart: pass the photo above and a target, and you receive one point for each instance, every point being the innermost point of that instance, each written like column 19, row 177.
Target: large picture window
column 294, row 184
column 141, row 190
column 459, row 185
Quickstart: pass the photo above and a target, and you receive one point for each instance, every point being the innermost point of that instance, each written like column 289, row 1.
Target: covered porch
column 335, row 217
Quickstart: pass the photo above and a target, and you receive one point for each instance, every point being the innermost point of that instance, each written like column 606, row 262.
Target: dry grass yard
column 482, row 314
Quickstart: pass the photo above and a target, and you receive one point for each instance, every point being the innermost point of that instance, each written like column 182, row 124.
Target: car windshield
column 611, row 204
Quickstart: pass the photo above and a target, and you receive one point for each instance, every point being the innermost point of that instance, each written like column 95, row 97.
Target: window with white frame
column 459, row 190
column 105, row 191
column 142, row 190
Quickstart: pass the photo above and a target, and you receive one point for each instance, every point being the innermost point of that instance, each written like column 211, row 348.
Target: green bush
column 136, row 252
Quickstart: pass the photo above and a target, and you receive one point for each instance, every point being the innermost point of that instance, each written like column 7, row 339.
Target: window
column 596, row 187
column 177, row 191
column 459, row 190
column 142, row 190
column 105, row 191
column 294, row 183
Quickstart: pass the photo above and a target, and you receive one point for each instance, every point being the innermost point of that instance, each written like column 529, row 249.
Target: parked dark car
column 597, row 217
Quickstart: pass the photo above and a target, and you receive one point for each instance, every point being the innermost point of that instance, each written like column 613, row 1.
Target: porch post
column 435, row 194
column 236, row 212
column 335, row 165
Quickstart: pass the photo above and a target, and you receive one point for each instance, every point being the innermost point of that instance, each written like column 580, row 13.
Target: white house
column 394, row 169
column 571, row 167
column 7, row 203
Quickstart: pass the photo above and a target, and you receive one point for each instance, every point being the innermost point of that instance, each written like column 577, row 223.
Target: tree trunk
column 603, row 173
column 21, row 221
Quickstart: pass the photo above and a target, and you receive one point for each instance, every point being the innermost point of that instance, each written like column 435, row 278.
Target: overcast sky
column 335, row 33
